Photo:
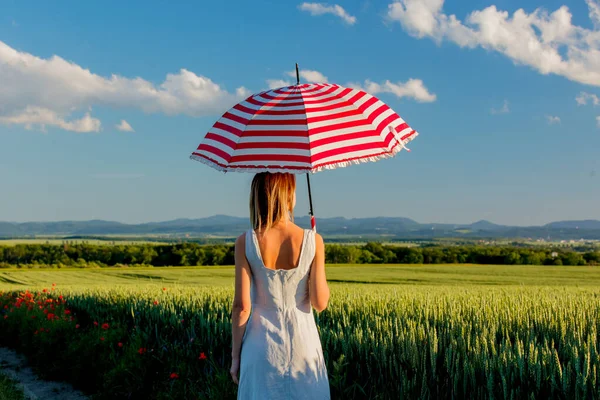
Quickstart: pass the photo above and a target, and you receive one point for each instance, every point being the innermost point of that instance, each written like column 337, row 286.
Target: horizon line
column 296, row 217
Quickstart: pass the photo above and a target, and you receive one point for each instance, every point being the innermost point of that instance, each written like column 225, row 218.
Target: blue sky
column 513, row 135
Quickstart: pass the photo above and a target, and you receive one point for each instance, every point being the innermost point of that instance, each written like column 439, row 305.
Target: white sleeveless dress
column 281, row 355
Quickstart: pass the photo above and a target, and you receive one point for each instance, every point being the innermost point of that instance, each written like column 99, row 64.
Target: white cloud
column 242, row 93
column 547, row 42
column 320, row 9
column 552, row 120
column 55, row 88
column 594, row 7
column 308, row 75
column 583, row 98
column 413, row 88
column 32, row 117
column 277, row 83
column 124, row 126
column 598, row 121
column 504, row 110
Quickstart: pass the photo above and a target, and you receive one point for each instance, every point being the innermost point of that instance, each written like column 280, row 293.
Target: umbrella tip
column 297, row 75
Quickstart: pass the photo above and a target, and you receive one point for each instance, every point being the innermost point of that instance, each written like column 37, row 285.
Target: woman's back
column 280, row 247
column 284, row 288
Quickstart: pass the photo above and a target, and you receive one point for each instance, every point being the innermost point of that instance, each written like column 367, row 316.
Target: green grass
column 390, row 331
column 8, row 389
column 442, row 275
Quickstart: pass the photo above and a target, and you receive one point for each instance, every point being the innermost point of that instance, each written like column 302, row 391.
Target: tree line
column 194, row 254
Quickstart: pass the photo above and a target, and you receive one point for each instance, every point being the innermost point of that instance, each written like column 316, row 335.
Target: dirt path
column 15, row 367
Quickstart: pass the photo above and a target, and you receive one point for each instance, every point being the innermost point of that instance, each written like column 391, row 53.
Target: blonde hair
column 271, row 199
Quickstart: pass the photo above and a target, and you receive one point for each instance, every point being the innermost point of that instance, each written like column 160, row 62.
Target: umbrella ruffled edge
column 398, row 147
column 255, row 170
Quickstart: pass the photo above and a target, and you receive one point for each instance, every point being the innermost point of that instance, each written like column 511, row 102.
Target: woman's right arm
column 241, row 304
column 319, row 290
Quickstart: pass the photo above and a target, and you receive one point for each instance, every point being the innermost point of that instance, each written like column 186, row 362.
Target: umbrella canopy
column 303, row 128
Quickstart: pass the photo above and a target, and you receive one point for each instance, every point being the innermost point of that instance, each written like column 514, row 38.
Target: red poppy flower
column 102, row 339
column 155, row 302
column 120, row 344
column 6, row 316
column 202, row 356
column 67, row 312
column 77, row 326
column 164, row 289
column 95, row 323
column 142, row 350
column 54, row 284
column 45, row 290
column 174, row 375
column 105, row 326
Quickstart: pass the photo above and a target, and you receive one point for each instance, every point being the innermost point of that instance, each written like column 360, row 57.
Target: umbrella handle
column 313, row 222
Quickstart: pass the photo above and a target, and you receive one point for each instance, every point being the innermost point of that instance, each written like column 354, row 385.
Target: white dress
column 281, row 355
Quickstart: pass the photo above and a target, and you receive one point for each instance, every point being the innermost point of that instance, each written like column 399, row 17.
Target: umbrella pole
column 311, row 213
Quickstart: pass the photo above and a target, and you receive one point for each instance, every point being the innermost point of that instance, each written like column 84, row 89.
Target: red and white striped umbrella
column 304, row 128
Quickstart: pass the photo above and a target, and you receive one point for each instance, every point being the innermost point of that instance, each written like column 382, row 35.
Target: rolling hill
column 385, row 227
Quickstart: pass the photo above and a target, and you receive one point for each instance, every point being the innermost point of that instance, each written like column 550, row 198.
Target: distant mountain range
column 388, row 227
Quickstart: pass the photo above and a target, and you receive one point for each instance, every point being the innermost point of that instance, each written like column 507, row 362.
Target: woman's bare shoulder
column 241, row 240
column 319, row 239
column 294, row 227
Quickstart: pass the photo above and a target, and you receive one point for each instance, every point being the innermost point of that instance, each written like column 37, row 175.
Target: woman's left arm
column 241, row 304
column 318, row 289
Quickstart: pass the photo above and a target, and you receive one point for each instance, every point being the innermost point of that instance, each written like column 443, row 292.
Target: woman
column 279, row 278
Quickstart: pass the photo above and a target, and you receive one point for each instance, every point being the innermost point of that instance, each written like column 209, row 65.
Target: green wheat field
column 390, row 332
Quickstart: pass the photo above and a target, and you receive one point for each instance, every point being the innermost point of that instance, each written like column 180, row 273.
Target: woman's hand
column 235, row 370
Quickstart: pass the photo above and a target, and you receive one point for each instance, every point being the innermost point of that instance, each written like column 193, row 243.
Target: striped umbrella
column 304, row 128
